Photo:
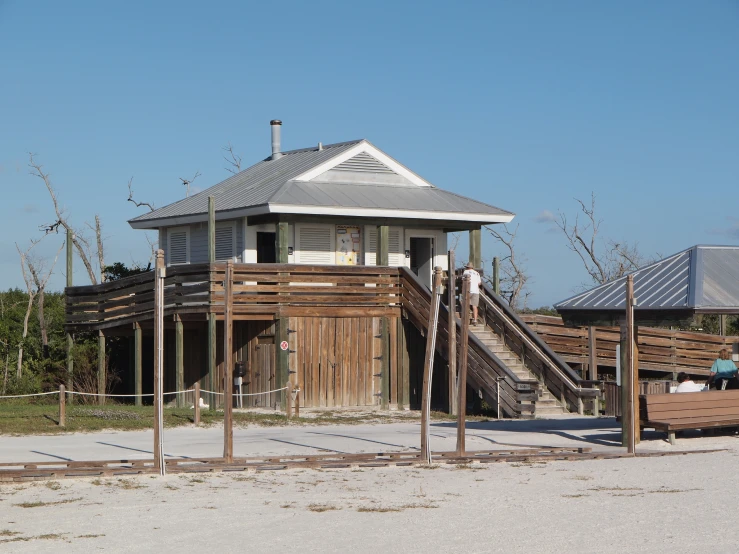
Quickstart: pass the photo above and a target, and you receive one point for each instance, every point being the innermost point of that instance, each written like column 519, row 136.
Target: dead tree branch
column 233, row 159
column 138, row 204
column 515, row 275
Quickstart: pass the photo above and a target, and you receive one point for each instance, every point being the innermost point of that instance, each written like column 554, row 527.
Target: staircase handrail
column 571, row 379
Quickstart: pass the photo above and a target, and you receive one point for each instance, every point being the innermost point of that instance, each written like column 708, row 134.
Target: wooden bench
column 689, row 410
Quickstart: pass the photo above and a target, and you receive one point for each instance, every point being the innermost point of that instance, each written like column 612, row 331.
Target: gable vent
column 224, row 243
column 315, row 245
column 363, row 163
column 178, row 247
column 396, row 256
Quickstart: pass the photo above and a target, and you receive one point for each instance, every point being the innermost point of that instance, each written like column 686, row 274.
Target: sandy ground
column 667, row 504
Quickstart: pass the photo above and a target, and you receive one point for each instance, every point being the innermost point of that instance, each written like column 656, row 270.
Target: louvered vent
column 396, row 256
column 363, row 163
column 178, row 247
column 315, row 245
column 224, row 243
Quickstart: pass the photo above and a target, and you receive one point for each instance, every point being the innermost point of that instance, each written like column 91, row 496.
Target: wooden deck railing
column 659, row 349
column 517, row 396
column 535, row 354
column 612, row 394
column 279, row 290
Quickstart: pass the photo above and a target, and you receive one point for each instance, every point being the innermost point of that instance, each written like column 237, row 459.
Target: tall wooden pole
column 635, row 380
column 452, row 335
column 137, row 361
column 70, row 340
column 462, row 378
column 496, row 275
column 382, row 258
column 629, row 373
column 228, row 431
column 476, row 248
column 212, row 381
column 101, row 368
column 159, row 275
column 428, row 366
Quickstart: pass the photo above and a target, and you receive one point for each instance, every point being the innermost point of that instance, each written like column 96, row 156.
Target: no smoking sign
column 283, row 345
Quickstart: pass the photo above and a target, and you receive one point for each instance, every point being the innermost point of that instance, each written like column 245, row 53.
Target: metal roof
column 701, row 279
column 270, row 187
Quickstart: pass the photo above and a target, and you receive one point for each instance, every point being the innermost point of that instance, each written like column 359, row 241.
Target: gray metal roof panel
column 699, row 278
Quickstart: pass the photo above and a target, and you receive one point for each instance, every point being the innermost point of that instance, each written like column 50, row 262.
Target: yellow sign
column 348, row 245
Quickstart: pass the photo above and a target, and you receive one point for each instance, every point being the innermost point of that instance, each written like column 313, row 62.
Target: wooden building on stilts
column 333, row 249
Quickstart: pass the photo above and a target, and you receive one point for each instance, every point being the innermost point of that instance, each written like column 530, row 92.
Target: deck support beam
column 382, row 258
column 70, row 340
column 101, row 367
column 452, row 333
column 179, row 356
column 137, row 356
column 228, row 351
column 476, row 248
column 282, row 357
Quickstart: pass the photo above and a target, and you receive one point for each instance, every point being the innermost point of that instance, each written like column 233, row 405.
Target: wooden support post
column 196, row 404
column 405, row 364
column 228, row 431
column 159, row 274
column 289, row 410
column 282, row 357
column 101, row 367
column 62, row 406
column 70, row 339
column 297, row 404
column 382, row 257
column 137, row 359
column 623, row 377
column 496, row 275
column 593, row 364
column 722, row 325
column 476, row 248
column 462, row 378
column 632, row 389
column 179, row 357
column 428, row 365
column 452, row 334
column 635, row 389
column 212, row 381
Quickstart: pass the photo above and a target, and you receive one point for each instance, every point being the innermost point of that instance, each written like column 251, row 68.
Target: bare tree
column 515, row 275
column 98, row 230
column 233, row 159
column 35, row 284
column 188, row 182
column 78, row 240
column 603, row 259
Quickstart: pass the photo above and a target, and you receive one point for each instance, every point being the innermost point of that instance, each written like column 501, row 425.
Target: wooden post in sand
column 452, row 348
column 228, row 309
column 462, row 378
column 428, row 365
column 62, row 406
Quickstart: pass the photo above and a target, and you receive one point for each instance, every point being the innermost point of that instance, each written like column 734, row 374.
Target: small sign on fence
column 284, row 345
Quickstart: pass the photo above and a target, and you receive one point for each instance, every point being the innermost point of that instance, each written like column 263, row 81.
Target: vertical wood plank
column 363, row 361
column 316, row 359
column 101, row 367
column 158, row 358
column 393, row 335
column 62, row 406
column 228, row 436
column 406, row 365
column 179, row 356
column 338, row 386
column 196, row 403
column 462, row 378
column 346, row 375
column 452, row 333
column 137, row 362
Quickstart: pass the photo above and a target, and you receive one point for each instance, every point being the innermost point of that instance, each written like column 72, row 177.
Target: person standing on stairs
column 475, row 282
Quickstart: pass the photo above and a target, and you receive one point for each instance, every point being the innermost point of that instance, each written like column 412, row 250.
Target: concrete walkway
column 600, row 434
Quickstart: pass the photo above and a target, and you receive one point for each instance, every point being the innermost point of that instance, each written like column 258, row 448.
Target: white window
column 178, row 245
column 225, row 241
column 315, row 244
column 396, row 256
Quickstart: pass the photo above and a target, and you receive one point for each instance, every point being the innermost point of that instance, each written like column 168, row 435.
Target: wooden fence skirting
column 659, row 349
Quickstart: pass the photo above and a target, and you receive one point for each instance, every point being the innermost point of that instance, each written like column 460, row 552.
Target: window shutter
column 224, row 243
column 315, row 245
column 396, row 256
column 178, row 246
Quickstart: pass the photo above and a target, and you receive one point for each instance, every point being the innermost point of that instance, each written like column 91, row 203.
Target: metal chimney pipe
column 276, row 124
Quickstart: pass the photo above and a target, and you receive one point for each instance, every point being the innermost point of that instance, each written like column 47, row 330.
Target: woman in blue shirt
column 722, row 369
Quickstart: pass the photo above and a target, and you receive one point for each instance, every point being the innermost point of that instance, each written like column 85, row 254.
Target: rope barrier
column 245, row 394
column 35, row 394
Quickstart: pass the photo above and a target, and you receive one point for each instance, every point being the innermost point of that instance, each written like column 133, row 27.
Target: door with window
column 422, row 258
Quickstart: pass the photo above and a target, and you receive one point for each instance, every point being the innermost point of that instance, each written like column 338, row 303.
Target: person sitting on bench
column 687, row 384
column 723, row 369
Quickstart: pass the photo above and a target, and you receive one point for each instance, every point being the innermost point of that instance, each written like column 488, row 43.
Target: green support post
column 137, row 356
column 70, row 339
column 212, row 381
column 496, row 275
column 101, row 367
column 179, row 332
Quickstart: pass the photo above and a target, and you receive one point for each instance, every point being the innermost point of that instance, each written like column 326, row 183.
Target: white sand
column 669, row 504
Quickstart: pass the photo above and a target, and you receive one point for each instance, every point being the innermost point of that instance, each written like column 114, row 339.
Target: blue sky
column 524, row 105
